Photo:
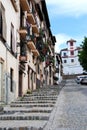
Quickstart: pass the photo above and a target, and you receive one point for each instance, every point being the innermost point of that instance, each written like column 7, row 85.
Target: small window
column 11, row 80
column 65, row 61
column 38, row 69
column 72, row 60
column 12, row 38
column 64, row 53
column 34, row 77
column 71, row 52
column 50, row 71
column 0, row 24
column 71, row 43
column 3, row 28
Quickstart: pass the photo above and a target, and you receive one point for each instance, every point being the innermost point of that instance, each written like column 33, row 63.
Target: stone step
column 38, row 96
column 41, row 95
column 22, row 125
column 25, row 116
column 36, row 101
column 21, row 128
column 45, row 98
column 46, row 91
column 32, row 105
column 28, row 110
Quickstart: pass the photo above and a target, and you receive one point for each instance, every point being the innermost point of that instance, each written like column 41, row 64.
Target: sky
column 68, row 19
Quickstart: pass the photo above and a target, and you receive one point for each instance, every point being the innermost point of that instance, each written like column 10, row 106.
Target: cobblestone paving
column 70, row 112
column 32, row 111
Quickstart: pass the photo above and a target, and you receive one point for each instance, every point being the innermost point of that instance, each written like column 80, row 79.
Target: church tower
column 70, row 60
column 71, row 47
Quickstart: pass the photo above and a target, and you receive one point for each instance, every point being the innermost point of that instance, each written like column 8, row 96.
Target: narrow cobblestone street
column 48, row 109
column 32, row 111
column 70, row 112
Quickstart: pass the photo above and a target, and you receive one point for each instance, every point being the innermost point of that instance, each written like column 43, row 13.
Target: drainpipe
column 6, row 82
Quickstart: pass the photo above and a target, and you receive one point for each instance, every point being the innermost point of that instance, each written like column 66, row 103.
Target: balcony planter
column 44, row 51
column 47, row 63
column 41, row 58
column 41, row 32
column 29, row 91
column 48, row 41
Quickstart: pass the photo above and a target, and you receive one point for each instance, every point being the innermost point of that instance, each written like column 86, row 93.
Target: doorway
column 20, row 83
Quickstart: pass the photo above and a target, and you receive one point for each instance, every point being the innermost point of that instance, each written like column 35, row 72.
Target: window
column 72, row 60
column 38, row 68
column 34, row 77
column 71, row 43
column 23, row 49
column 71, row 52
column 12, row 38
column 1, row 78
column 64, row 53
column 11, row 79
column 65, row 61
column 50, row 70
column 2, row 22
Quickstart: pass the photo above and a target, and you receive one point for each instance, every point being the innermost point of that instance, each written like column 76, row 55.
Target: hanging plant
column 41, row 58
column 41, row 32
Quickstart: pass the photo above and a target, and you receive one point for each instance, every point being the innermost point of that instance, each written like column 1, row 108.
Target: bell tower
column 71, row 47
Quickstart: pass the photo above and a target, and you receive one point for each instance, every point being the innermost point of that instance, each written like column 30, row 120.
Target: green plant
column 29, row 91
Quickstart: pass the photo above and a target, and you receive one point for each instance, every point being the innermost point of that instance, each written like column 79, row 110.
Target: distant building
column 69, row 55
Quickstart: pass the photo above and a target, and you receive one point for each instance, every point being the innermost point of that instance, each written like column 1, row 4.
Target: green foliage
column 29, row 91
column 83, row 54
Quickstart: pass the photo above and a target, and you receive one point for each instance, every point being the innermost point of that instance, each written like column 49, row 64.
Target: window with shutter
column 3, row 28
column 0, row 23
column 1, row 78
column 12, row 39
column 11, row 79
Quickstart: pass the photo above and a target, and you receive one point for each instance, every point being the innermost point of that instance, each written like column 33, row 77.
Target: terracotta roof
column 78, row 48
column 65, row 49
column 71, row 40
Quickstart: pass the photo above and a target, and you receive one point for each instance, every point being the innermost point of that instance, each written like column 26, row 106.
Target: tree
column 83, row 54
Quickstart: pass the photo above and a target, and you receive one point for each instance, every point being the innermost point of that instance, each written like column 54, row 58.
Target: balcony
column 25, row 5
column 31, row 45
column 35, row 29
column 35, row 52
column 22, row 58
column 22, row 33
column 14, row 3
column 30, row 18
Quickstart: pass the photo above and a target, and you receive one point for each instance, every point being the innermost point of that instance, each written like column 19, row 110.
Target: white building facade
column 70, row 60
column 58, row 69
column 8, row 50
column 26, row 46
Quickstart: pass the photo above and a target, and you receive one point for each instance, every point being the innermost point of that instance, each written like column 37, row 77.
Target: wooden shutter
column 0, row 23
column 13, row 38
column 4, row 27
